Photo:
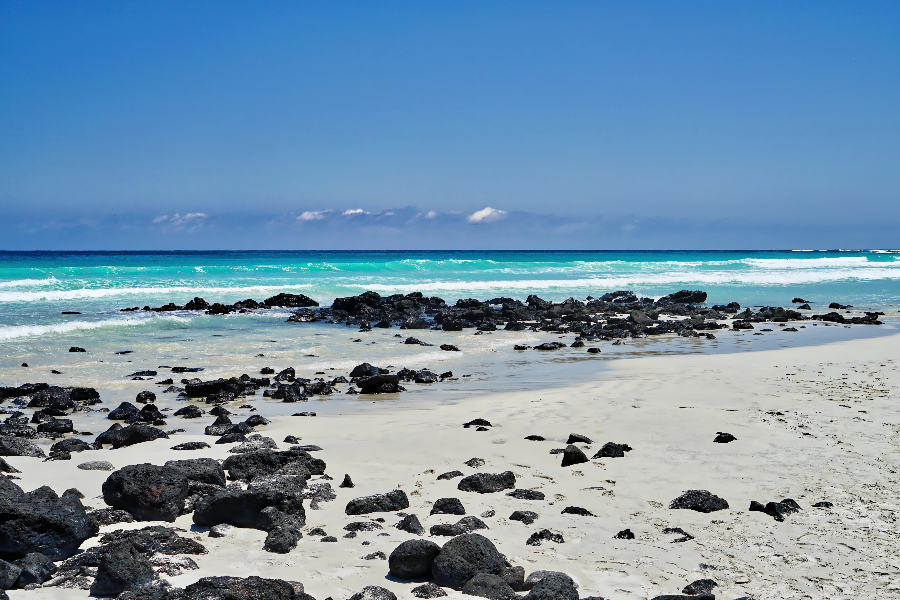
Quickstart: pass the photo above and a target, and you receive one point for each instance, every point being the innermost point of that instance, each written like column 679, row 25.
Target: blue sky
column 183, row 125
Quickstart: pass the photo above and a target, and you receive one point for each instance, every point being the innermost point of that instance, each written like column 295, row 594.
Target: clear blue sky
column 582, row 124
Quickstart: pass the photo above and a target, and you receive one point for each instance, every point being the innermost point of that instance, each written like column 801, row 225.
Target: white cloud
column 313, row 215
column 355, row 211
column 487, row 215
column 430, row 214
column 177, row 219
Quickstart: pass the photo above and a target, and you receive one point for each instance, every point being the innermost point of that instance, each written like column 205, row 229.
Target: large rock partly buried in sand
column 465, row 556
column 41, row 521
column 13, row 446
column 121, row 568
column 243, row 508
column 487, row 483
column 699, row 500
column 148, row 492
column 250, row 465
column 393, row 500
column 413, row 559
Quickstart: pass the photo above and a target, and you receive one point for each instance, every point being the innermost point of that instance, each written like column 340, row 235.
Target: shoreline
column 672, row 452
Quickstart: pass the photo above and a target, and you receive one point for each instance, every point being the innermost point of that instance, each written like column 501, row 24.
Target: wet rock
column 449, row 475
column 191, row 446
column 14, row 446
column 485, row 585
column 449, row 348
column 683, row 297
column 57, row 426
column 550, row 346
column 136, row 433
column 487, row 483
column 121, row 568
column 284, row 300
column 526, row 494
column 373, row 592
column 379, row 384
column 525, row 516
column 123, row 412
column 148, row 492
column 776, row 510
column 394, row 500
column 544, row 535
column 572, row 455
column 699, row 500
column 256, row 421
column 550, row 585
column 625, row 534
column 77, row 349
column 464, row 525
column 724, row 438
column 465, row 556
column 413, row 559
column 71, row 445
column 40, row 521
column 612, row 450
column 145, row 397
column 189, row 412
column 448, row 506
column 206, row 470
column 535, row 438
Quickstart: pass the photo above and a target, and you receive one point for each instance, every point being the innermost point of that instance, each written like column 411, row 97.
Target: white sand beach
column 814, row 423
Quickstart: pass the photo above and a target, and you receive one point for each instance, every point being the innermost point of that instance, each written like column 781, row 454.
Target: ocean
column 37, row 287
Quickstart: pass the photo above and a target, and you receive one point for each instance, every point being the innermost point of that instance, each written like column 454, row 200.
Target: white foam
column 27, row 282
column 686, row 278
column 87, row 293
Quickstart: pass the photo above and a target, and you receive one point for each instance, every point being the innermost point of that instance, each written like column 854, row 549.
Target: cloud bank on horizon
column 526, row 125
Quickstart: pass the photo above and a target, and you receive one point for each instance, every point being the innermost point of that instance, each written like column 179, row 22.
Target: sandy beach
column 812, row 424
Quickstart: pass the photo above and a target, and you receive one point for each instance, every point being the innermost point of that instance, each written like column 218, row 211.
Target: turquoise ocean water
column 35, row 288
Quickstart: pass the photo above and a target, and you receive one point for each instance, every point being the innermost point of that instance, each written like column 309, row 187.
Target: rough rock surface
column 487, row 483
column 699, row 500
column 41, row 521
column 148, row 492
column 465, row 556
column 393, row 500
column 413, row 559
